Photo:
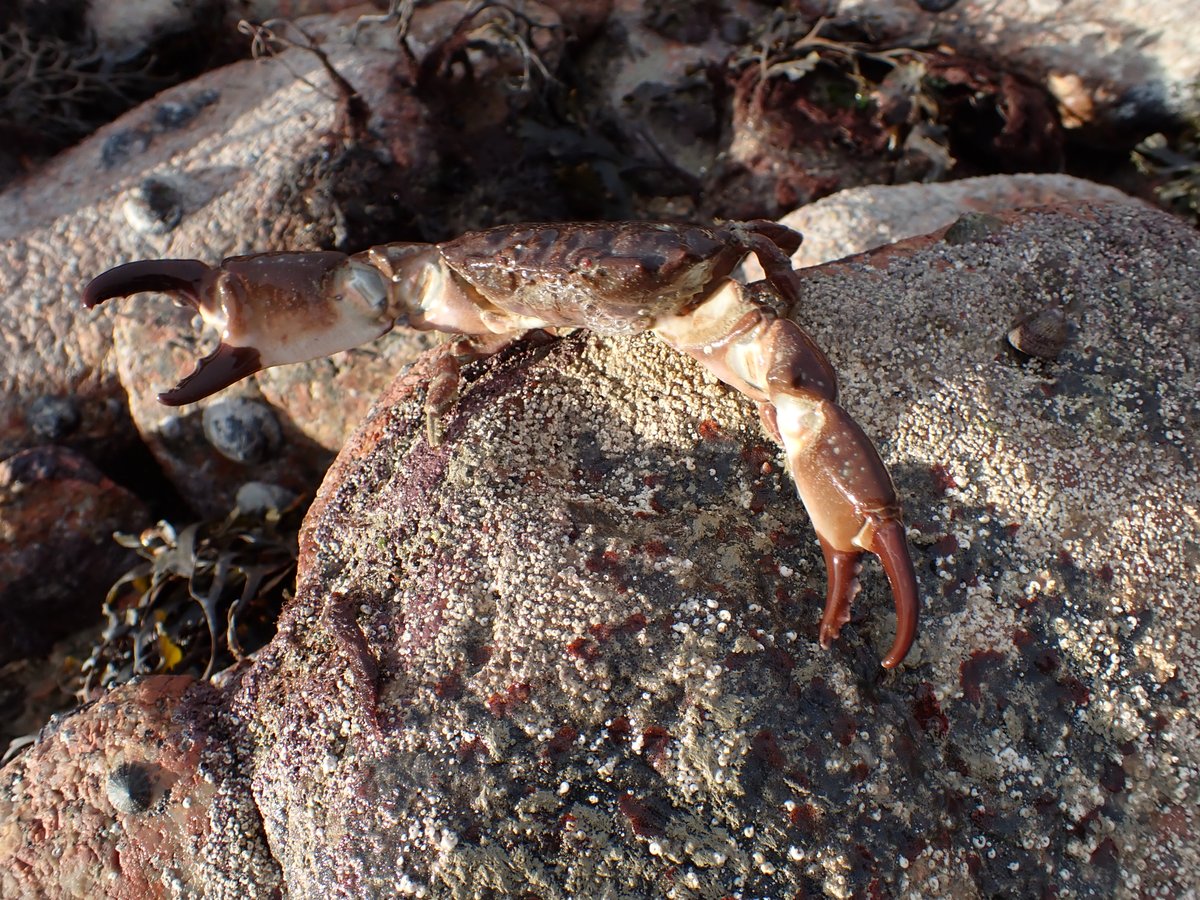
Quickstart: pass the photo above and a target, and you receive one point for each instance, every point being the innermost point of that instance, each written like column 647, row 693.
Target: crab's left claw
column 838, row 472
column 270, row 308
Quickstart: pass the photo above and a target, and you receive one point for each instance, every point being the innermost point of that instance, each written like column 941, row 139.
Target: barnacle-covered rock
column 572, row 649
column 137, row 795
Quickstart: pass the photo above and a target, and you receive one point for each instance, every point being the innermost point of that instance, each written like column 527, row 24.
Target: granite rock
column 139, row 794
column 57, row 555
column 243, row 158
column 572, row 649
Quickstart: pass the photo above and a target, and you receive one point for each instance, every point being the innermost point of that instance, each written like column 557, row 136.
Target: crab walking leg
column 838, row 473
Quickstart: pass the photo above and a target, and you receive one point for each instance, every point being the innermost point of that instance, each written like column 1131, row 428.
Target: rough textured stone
column 136, row 795
column 237, row 160
column 572, row 649
column 57, row 555
column 859, row 219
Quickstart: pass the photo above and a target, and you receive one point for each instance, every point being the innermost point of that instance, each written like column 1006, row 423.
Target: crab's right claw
column 270, row 308
column 850, row 498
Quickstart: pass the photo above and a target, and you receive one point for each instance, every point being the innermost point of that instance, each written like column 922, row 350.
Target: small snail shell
column 1042, row 333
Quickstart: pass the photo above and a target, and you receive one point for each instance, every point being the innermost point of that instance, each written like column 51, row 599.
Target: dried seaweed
column 205, row 596
column 63, row 88
column 791, row 50
column 1172, row 163
column 495, row 30
column 935, row 107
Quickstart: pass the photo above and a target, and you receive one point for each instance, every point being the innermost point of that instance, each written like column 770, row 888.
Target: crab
column 615, row 278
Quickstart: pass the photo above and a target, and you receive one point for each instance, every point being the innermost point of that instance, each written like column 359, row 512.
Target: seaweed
column 935, row 108
column 1172, row 164
column 58, row 89
column 206, row 595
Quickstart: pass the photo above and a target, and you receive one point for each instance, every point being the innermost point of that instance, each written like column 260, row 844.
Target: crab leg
column 840, row 478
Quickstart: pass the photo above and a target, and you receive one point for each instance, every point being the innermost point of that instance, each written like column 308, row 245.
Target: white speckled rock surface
column 137, row 795
column 571, row 651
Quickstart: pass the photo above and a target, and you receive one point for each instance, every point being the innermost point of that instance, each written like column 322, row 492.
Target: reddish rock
column 57, row 555
column 137, row 795
column 480, row 560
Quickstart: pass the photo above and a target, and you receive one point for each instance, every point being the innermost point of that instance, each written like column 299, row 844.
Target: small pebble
column 52, row 418
column 154, row 207
column 243, row 430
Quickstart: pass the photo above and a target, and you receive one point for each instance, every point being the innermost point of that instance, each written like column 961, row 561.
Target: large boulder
column 247, row 157
column 571, row 649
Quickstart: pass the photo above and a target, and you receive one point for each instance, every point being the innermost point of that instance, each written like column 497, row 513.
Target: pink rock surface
column 572, row 649
column 137, row 795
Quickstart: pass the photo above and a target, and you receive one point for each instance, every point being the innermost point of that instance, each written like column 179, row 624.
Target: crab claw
column 270, row 309
column 838, row 472
column 184, row 276
column 850, row 498
column 843, row 566
column 224, row 366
